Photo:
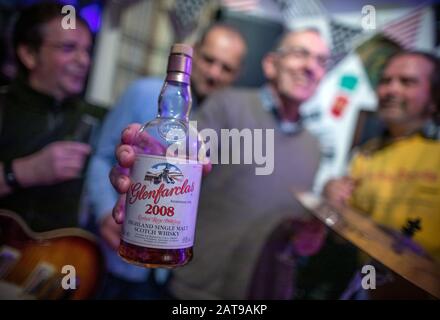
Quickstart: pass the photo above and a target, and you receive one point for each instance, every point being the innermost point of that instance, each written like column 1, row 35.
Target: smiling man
column 41, row 159
column 396, row 177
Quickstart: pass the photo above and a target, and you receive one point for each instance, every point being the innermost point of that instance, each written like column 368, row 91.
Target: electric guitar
column 54, row 265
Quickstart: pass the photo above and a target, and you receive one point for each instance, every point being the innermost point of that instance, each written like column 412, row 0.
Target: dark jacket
column 29, row 121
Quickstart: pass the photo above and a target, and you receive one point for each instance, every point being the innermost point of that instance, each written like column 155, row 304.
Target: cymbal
column 364, row 233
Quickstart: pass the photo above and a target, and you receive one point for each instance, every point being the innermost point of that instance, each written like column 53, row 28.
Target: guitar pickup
column 39, row 278
column 8, row 259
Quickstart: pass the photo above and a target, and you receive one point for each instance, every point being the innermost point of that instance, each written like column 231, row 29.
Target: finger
column 72, row 147
column 66, row 170
column 116, row 228
column 112, row 238
column 206, row 169
column 330, row 187
column 125, row 155
column 345, row 193
column 74, row 163
column 71, row 157
column 120, row 181
column 129, row 133
column 342, row 199
column 349, row 182
column 70, row 173
column 118, row 212
column 153, row 145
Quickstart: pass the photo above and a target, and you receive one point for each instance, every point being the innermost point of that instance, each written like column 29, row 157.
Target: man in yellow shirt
column 396, row 177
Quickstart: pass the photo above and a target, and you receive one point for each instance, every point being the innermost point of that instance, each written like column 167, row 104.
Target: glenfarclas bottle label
column 162, row 202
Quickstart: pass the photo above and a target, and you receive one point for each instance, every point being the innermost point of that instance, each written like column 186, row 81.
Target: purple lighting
column 92, row 14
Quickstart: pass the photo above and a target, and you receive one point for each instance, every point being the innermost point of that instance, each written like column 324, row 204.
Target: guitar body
column 59, row 264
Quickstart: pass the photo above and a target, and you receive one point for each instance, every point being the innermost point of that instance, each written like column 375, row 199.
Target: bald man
column 217, row 60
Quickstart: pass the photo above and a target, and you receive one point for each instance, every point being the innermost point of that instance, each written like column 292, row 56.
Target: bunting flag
column 342, row 39
column 185, row 16
column 240, row 5
column 404, row 30
column 346, row 98
column 374, row 53
column 292, row 9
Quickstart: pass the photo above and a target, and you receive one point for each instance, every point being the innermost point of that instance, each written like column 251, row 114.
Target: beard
column 389, row 102
column 393, row 110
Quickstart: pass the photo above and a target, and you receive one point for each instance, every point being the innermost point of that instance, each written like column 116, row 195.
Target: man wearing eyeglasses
column 41, row 159
column 239, row 210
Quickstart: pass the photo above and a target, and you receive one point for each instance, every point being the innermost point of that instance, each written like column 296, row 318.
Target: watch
column 10, row 178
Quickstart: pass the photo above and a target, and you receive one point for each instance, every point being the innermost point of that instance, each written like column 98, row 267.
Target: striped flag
column 404, row 30
column 292, row 9
column 374, row 52
column 240, row 5
column 185, row 16
column 342, row 40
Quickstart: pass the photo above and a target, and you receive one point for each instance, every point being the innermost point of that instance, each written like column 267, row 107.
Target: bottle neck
column 175, row 100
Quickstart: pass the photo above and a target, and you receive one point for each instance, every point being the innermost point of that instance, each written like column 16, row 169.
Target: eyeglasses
column 304, row 54
column 68, row 47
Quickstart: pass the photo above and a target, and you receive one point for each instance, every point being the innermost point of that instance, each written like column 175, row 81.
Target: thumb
column 119, row 209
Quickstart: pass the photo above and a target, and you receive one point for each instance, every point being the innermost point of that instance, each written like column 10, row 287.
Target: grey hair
column 288, row 32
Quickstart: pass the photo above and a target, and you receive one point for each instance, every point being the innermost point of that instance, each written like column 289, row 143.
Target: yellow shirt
column 402, row 181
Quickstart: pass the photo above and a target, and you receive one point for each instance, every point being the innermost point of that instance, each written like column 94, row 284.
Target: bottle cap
column 180, row 63
column 181, row 48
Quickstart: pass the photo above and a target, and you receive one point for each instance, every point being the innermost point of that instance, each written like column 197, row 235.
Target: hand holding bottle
column 162, row 190
column 119, row 175
column 125, row 155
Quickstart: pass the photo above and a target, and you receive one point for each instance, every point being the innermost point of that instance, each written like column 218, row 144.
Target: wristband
column 10, row 178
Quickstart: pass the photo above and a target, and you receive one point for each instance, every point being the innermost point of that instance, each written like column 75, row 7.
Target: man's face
column 297, row 68
column 404, row 90
column 216, row 61
column 63, row 60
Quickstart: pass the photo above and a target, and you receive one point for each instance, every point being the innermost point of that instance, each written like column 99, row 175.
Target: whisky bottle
column 162, row 200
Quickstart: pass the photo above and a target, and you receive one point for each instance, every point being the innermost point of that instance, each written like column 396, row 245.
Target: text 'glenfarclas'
column 139, row 191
